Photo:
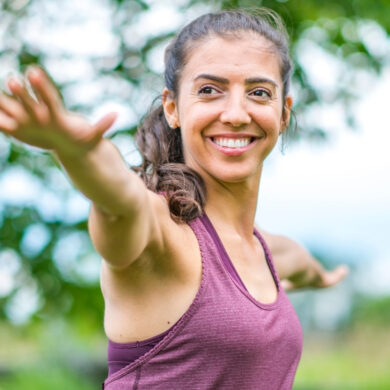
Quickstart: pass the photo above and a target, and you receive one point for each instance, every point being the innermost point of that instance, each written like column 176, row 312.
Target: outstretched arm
column 297, row 268
column 122, row 220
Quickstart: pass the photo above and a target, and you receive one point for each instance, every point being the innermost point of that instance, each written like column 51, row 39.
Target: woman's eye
column 262, row 93
column 207, row 91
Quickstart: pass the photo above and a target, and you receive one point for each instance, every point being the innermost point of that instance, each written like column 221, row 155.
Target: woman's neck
column 232, row 206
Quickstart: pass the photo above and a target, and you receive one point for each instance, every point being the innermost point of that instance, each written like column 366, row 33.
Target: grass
column 46, row 378
column 354, row 360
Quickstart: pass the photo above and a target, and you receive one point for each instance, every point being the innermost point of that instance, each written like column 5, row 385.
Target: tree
column 43, row 247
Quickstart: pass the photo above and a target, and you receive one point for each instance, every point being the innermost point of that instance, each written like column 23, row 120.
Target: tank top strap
column 226, row 261
column 268, row 257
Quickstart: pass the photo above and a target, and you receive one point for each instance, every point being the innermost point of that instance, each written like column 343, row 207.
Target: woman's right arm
column 123, row 220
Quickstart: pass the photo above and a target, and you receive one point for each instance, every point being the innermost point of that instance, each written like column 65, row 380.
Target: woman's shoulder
column 173, row 247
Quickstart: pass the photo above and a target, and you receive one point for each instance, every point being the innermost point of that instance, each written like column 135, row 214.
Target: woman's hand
column 297, row 268
column 40, row 119
column 322, row 279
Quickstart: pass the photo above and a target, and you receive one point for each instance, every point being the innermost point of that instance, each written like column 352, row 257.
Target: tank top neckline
column 231, row 271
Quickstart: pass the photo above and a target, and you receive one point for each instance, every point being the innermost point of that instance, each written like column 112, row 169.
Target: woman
column 184, row 268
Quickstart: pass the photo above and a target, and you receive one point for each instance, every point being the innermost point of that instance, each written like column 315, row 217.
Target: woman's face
column 229, row 107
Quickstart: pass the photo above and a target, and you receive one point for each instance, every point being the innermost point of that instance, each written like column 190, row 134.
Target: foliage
column 371, row 311
column 352, row 33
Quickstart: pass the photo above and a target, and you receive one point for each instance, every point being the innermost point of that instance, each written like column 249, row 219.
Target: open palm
column 40, row 118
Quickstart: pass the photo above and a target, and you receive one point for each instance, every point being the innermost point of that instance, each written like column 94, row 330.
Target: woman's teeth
column 232, row 142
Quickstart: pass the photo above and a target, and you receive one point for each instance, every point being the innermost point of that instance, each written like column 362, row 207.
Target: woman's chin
column 237, row 175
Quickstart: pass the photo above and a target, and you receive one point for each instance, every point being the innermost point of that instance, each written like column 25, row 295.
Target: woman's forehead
column 238, row 54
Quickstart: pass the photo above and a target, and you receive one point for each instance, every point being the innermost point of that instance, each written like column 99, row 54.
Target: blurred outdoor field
column 352, row 360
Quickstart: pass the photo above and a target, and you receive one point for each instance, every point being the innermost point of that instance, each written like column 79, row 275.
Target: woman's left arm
column 297, row 268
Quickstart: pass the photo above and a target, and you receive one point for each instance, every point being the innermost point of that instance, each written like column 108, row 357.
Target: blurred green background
column 107, row 55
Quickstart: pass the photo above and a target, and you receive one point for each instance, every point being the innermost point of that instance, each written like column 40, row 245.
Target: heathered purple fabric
column 225, row 340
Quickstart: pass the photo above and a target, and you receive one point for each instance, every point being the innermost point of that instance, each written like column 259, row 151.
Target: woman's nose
column 235, row 112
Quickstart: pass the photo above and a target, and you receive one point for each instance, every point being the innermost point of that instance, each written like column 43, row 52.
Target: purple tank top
column 225, row 340
column 122, row 354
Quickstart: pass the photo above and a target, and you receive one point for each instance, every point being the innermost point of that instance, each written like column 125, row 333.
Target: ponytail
column 163, row 168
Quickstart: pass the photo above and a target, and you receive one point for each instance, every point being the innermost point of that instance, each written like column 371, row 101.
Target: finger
column 37, row 110
column 20, row 92
column 104, row 123
column 13, row 108
column 7, row 124
column 45, row 89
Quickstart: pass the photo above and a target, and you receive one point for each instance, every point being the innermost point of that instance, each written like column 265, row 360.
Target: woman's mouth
column 233, row 146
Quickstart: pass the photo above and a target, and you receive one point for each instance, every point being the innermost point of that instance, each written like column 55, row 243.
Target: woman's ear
column 170, row 109
column 286, row 114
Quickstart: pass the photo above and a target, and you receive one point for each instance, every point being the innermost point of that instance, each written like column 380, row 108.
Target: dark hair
column 163, row 168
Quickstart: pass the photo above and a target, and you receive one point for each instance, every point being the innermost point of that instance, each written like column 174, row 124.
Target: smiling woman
column 193, row 295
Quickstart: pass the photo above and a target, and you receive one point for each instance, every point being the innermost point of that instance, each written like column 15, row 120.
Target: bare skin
column 151, row 268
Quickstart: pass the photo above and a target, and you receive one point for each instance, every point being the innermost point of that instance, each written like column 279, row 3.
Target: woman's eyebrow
column 218, row 79
column 223, row 80
column 261, row 80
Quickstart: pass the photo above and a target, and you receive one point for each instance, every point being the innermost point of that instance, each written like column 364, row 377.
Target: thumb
column 335, row 276
column 103, row 124
column 287, row 285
